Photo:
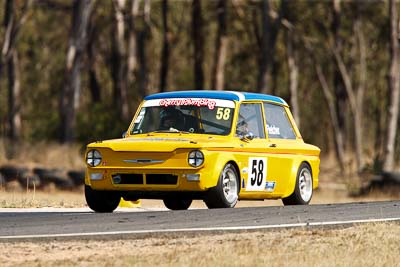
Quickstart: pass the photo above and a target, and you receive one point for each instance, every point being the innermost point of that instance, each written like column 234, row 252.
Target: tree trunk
column 94, row 85
column 394, row 88
column 356, row 103
column 166, row 47
column 355, row 97
column 71, row 90
column 293, row 76
column 197, row 32
column 270, row 30
column 339, row 88
column 291, row 57
column 14, row 97
column 119, row 61
column 358, row 123
column 143, row 35
column 265, row 60
column 221, row 42
column 334, row 118
column 132, row 42
column 9, row 57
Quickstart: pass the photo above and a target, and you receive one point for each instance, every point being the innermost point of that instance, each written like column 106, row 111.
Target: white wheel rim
column 229, row 185
column 305, row 184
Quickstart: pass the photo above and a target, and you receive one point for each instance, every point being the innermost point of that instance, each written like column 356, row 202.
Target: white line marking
column 202, row 229
column 74, row 210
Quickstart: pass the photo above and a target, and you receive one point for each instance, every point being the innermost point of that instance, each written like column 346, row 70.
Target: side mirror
column 124, row 134
column 247, row 137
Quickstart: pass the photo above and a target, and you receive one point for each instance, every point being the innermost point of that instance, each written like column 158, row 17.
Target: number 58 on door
column 257, row 172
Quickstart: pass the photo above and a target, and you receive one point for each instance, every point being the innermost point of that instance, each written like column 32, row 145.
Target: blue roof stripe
column 256, row 96
column 228, row 95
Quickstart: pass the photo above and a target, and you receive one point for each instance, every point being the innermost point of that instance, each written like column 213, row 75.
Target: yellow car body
column 212, row 160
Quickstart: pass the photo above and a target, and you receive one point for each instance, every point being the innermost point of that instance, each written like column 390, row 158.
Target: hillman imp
column 216, row 146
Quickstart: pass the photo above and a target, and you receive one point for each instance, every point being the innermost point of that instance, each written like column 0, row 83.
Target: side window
column 278, row 124
column 250, row 120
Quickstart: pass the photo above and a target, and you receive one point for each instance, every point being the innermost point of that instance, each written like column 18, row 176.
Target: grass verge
column 360, row 245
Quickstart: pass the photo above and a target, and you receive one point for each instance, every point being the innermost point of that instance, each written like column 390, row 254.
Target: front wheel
column 101, row 201
column 303, row 189
column 226, row 193
column 177, row 203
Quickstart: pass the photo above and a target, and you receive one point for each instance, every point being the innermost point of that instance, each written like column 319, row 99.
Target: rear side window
column 278, row 124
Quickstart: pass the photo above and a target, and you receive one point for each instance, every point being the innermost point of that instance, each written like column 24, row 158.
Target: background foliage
column 43, row 42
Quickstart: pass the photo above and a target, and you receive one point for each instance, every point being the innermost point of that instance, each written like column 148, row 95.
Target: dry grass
column 42, row 154
column 40, row 199
column 361, row 245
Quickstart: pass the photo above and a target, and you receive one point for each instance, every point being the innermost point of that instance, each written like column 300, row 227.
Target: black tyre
column 102, row 201
column 226, row 193
column 303, row 189
column 177, row 203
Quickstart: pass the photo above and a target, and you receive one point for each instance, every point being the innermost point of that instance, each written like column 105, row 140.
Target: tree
column 394, row 88
column 71, row 91
column 270, row 28
column 132, row 42
column 355, row 95
column 165, row 54
column 330, row 100
column 221, row 43
column 119, row 67
column 10, row 58
column 143, row 36
column 292, row 61
column 338, row 88
column 94, row 85
column 197, row 33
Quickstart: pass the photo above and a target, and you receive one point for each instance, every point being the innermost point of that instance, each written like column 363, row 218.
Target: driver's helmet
column 171, row 117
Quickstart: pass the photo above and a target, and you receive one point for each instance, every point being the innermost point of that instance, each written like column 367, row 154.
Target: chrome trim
column 143, row 161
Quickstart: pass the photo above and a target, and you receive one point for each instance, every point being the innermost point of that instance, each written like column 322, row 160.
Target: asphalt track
column 31, row 224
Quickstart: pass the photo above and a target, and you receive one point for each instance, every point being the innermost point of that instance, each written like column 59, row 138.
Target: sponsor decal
column 188, row 102
column 273, row 130
column 140, row 116
column 270, row 186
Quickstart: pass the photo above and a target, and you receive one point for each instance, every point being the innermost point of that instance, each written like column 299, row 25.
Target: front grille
column 161, row 179
column 128, row 178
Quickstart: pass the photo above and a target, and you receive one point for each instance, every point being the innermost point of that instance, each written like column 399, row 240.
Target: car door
column 283, row 147
column 252, row 156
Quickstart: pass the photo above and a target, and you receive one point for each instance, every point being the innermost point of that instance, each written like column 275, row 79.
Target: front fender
column 213, row 166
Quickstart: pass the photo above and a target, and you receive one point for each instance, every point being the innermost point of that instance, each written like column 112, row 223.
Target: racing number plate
column 257, row 174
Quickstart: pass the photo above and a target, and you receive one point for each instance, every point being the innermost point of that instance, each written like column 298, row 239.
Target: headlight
column 93, row 158
column 196, row 158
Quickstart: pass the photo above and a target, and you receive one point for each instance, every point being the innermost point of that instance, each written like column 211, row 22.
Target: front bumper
column 149, row 180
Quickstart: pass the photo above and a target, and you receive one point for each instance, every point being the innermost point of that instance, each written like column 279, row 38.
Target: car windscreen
column 202, row 116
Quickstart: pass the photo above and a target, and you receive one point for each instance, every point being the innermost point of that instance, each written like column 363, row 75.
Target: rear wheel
column 102, row 201
column 303, row 189
column 226, row 193
column 177, row 203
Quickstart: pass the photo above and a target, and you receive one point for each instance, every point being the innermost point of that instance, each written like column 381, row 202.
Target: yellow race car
column 217, row 146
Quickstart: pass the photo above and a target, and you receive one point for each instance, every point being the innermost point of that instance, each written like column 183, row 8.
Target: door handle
column 272, row 145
